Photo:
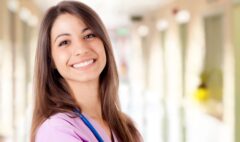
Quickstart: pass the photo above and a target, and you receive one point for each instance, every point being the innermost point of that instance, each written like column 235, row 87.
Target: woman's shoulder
column 65, row 117
column 58, row 120
column 60, row 127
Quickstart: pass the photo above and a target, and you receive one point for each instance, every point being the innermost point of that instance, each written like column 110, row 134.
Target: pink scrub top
column 63, row 127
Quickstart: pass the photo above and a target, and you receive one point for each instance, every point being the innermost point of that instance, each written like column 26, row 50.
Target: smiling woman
column 76, row 80
column 77, row 52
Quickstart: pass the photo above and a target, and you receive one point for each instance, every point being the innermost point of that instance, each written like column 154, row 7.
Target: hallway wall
column 217, row 117
column 17, row 45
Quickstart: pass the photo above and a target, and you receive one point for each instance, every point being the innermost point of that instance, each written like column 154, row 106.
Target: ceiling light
column 162, row 25
column 183, row 16
column 24, row 14
column 13, row 5
column 143, row 30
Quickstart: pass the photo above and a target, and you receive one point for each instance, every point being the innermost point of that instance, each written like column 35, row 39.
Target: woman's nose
column 80, row 48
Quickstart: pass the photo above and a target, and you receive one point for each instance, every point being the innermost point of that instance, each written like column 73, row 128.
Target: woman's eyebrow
column 67, row 34
column 86, row 29
column 63, row 34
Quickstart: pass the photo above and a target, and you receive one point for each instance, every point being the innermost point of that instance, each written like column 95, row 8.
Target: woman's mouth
column 84, row 63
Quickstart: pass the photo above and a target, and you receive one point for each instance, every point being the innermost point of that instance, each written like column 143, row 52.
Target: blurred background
column 178, row 60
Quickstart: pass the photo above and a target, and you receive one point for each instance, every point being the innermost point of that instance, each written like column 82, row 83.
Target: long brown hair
column 53, row 95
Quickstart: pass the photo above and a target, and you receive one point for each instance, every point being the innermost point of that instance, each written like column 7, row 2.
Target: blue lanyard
column 89, row 125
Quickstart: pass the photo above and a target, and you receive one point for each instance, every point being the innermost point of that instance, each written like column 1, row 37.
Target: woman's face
column 78, row 54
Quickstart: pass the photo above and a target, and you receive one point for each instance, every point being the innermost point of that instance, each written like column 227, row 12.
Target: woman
column 76, row 80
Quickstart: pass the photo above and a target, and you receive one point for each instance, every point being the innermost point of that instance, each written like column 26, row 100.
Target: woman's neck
column 87, row 97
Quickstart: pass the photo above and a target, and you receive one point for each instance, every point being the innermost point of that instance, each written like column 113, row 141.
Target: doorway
column 213, row 63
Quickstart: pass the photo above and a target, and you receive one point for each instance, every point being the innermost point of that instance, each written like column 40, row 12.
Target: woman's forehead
column 64, row 20
column 68, row 23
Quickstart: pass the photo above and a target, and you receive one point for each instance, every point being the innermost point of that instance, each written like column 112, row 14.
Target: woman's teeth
column 83, row 64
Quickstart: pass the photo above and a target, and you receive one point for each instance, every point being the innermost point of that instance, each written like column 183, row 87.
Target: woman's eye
column 63, row 43
column 89, row 36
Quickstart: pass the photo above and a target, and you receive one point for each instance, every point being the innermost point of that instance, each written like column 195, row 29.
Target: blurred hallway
column 178, row 61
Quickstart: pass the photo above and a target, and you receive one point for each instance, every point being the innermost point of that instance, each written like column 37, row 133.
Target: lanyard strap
column 89, row 125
